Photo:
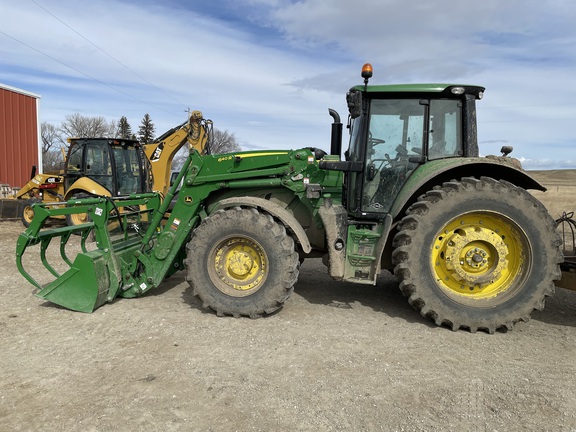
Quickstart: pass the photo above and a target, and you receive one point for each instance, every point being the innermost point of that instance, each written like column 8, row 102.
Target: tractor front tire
column 241, row 262
column 477, row 254
column 28, row 211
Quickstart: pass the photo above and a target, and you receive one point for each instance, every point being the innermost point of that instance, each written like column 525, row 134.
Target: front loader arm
column 136, row 245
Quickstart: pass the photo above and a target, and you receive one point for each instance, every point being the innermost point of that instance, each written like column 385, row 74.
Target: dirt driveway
column 337, row 357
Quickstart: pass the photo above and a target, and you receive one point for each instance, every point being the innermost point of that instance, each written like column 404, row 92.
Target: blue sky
column 268, row 70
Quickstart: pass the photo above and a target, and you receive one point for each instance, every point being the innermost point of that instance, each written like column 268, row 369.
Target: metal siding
column 18, row 137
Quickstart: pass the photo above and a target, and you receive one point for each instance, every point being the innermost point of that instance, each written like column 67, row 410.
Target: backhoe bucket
column 95, row 276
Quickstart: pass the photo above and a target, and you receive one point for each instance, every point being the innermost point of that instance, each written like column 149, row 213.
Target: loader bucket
column 84, row 287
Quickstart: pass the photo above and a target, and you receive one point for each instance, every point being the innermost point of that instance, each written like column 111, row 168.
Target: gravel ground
column 339, row 356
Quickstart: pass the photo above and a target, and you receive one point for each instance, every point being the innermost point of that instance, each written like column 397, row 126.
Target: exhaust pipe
column 336, row 135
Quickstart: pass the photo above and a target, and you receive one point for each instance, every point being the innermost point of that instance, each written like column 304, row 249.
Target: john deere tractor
column 470, row 246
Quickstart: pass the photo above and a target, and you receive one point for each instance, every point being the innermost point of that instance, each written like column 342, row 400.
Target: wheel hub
column 240, row 263
column 475, row 256
column 240, row 266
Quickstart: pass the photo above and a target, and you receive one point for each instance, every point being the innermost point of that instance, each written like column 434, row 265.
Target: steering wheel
column 375, row 141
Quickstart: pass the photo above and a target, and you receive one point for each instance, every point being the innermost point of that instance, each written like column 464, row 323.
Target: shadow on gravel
column 317, row 287
column 559, row 310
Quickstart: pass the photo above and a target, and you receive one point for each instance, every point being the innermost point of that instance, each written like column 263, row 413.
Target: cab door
column 397, row 132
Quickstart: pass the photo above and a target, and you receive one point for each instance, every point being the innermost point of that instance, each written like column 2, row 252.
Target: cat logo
column 188, row 199
column 157, row 152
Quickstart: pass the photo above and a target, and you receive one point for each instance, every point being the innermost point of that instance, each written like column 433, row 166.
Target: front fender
column 272, row 208
column 86, row 185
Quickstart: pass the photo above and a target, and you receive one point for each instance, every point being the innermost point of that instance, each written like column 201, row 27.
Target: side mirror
column 354, row 101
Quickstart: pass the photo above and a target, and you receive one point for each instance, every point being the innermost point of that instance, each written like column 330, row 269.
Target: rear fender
column 273, row 209
column 434, row 173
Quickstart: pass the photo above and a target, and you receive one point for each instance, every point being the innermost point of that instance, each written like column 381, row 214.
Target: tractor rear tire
column 478, row 254
column 241, row 262
column 28, row 212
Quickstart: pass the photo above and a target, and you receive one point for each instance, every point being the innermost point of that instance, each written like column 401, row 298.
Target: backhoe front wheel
column 241, row 262
column 477, row 254
column 28, row 211
column 75, row 219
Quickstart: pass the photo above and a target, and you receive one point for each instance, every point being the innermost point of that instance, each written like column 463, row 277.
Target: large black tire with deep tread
column 420, row 230
column 263, row 236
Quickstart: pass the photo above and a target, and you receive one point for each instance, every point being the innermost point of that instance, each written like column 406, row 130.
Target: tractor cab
column 119, row 165
column 395, row 129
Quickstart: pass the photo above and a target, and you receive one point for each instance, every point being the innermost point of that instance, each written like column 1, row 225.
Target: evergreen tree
column 146, row 130
column 124, row 128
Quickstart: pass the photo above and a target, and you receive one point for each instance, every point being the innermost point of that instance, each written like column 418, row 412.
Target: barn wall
column 19, row 143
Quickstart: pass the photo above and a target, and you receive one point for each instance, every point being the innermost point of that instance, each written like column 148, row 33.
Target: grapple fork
column 95, row 276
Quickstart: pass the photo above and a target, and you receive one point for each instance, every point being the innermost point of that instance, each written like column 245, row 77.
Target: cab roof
column 432, row 89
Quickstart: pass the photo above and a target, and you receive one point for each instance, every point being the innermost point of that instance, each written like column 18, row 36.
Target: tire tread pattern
column 406, row 262
column 268, row 299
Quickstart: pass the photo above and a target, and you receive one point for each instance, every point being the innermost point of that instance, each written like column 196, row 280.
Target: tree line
column 55, row 138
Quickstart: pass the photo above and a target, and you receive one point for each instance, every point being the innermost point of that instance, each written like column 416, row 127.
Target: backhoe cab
column 114, row 167
column 93, row 167
column 106, row 167
column 469, row 245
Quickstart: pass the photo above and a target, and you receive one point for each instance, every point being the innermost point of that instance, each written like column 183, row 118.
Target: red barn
column 20, row 147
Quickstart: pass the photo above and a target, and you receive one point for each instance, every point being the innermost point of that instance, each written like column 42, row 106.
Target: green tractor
column 470, row 246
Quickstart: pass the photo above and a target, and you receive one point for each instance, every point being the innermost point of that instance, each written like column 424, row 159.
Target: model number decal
column 225, row 158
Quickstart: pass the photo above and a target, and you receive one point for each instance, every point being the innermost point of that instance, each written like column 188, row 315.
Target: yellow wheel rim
column 28, row 214
column 78, row 218
column 239, row 266
column 479, row 256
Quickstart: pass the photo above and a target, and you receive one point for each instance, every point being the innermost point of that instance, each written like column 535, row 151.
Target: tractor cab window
column 445, row 138
column 395, row 134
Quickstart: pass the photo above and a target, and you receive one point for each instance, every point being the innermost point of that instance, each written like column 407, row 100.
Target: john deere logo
column 188, row 199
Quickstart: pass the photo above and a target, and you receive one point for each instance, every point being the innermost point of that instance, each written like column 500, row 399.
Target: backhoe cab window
column 127, row 170
column 98, row 166
column 75, row 158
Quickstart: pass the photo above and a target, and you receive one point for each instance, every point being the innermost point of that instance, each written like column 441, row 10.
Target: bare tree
column 51, row 147
column 220, row 142
column 53, row 161
column 223, row 142
column 77, row 125
column 50, row 135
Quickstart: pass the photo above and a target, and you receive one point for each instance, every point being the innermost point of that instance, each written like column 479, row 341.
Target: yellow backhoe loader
column 112, row 167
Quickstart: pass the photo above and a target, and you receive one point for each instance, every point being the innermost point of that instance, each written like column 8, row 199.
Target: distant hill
column 555, row 177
